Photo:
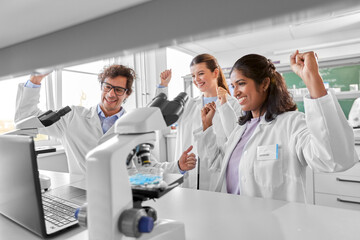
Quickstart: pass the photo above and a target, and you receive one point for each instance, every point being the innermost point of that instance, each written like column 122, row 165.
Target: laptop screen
column 20, row 194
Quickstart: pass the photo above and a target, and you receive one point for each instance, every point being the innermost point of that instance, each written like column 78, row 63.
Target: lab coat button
column 245, row 152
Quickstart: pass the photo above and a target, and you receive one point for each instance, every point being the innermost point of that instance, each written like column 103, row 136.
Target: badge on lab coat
column 269, row 152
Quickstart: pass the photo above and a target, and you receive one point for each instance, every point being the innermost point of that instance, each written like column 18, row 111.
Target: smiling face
column 249, row 95
column 204, row 79
column 110, row 102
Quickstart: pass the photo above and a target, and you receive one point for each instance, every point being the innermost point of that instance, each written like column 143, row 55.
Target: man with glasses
column 81, row 129
column 116, row 85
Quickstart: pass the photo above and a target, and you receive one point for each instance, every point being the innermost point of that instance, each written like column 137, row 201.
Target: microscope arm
column 111, row 213
column 28, row 132
column 107, row 175
column 30, row 125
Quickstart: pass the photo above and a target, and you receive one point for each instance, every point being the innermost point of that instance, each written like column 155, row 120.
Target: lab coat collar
column 111, row 132
column 101, row 113
column 92, row 113
column 263, row 121
column 199, row 99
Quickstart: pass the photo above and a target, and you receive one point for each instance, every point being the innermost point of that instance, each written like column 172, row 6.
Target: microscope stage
column 143, row 193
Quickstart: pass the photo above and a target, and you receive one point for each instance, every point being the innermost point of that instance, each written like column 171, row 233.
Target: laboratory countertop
column 210, row 215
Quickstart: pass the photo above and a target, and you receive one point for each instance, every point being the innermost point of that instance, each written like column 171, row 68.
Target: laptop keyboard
column 58, row 211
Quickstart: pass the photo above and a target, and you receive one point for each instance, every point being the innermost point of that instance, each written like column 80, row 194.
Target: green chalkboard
column 335, row 77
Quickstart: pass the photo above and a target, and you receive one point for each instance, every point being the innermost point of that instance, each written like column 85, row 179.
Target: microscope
column 29, row 127
column 114, row 208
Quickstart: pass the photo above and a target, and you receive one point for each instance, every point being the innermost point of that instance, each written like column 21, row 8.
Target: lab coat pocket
column 268, row 169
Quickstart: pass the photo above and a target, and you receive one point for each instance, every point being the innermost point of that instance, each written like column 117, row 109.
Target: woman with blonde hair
column 209, row 78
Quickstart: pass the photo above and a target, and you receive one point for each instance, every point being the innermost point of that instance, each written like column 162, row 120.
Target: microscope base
column 166, row 229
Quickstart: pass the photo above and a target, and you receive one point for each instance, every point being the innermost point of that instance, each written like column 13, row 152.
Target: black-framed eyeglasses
column 106, row 87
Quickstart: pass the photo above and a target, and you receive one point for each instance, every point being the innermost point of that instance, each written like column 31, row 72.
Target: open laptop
column 21, row 199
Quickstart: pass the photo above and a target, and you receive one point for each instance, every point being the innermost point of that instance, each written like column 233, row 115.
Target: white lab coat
column 354, row 114
column 224, row 122
column 321, row 139
column 79, row 130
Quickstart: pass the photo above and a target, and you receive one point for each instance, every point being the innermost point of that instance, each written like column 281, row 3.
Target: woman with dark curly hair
column 268, row 152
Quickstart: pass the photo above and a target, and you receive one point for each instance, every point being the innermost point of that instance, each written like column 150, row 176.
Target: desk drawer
column 337, row 201
column 337, row 184
column 343, row 183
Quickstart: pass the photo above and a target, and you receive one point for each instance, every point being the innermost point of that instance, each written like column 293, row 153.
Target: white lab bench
column 210, row 215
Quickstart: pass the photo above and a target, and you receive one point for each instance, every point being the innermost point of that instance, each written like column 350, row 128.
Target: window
column 179, row 63
column 80, row 89
column 8, row 99
column 80, row 86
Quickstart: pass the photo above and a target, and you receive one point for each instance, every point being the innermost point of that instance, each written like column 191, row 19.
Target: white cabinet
column 340, row 189
column 54, row 161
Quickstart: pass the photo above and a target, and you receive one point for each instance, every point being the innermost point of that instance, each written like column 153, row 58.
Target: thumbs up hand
column 187, row 161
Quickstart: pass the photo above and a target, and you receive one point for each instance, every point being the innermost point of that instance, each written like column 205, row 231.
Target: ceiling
column 23, row 20
column 332, row 34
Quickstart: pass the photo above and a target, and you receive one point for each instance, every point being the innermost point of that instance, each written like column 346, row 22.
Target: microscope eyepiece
column 61, row 112
column 171, row 110
column 50, row 117
column 159, row 101
column 181, row 98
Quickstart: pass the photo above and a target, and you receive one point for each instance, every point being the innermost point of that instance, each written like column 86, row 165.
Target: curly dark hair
column 211, row 64
column 116, row 70
column 278, row 100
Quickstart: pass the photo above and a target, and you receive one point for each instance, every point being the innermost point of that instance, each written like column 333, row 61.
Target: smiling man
column 81, row 129
column 116, row 85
